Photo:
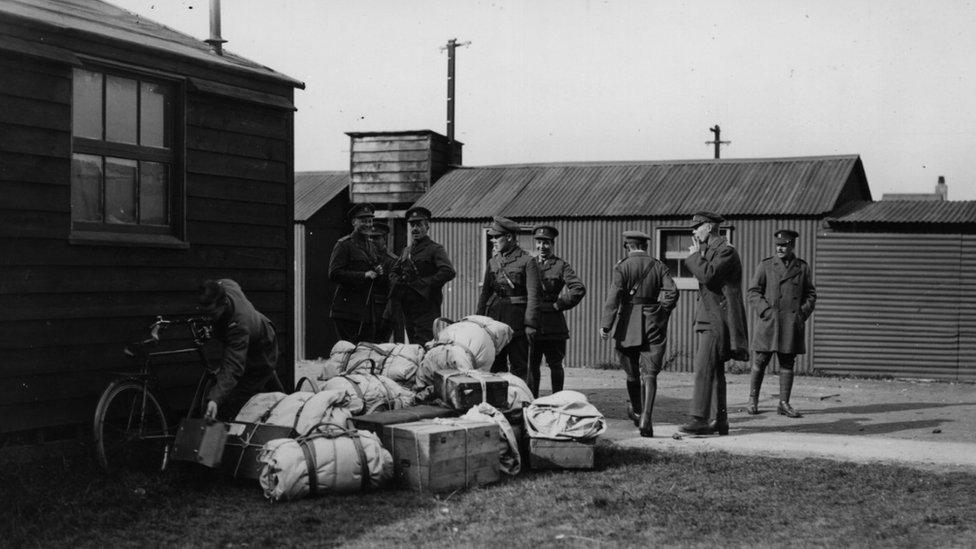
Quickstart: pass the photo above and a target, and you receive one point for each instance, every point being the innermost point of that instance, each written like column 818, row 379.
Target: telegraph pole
column 718, row 139
column 450, row 47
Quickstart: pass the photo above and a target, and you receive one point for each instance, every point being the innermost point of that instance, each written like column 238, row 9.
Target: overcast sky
column 567, row 80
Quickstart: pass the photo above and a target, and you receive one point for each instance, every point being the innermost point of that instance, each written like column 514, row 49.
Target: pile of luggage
column 429, row 417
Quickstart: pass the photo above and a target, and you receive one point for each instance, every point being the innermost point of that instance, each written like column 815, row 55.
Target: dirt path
column 928, row 425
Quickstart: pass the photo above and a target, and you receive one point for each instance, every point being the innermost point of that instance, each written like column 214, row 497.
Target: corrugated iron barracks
column 894, row 279
column 135, row 161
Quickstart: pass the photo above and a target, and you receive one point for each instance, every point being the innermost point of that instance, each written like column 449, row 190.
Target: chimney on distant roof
column 215, row 41
column 941, row 189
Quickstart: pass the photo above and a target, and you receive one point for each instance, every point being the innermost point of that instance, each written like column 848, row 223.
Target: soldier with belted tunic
column 782, row 296
column 560, row 290
column 510, row 294
column 354, row 268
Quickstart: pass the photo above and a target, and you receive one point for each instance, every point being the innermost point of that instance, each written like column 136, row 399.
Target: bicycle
column 132, row 427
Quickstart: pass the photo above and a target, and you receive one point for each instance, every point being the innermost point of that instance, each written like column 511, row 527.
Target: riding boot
column 649, row 384
column 785, row 388
column 634, row 392
column 557, row 379
column 721, row 423
column 533, row 382
column 754, row 386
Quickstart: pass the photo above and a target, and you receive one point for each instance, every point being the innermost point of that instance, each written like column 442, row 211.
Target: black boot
column 785, row 388
column 649, row 385
column 754, row 386
column 634, row 393
column 557, row 379
column 721, row 423
column 698, row 426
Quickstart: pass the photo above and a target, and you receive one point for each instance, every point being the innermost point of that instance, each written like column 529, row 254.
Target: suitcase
column 561, row 454
column 445, row 455
column 461, row 391
column 200, row 441
column 244, row 443
column 379, row 423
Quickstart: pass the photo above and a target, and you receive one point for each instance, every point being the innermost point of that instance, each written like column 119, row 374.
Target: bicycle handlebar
column 200, row 328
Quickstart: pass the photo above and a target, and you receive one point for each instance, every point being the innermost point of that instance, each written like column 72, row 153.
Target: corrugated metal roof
column 913, row 212
column 102, row 19
column 737, row 187
column 314, row 189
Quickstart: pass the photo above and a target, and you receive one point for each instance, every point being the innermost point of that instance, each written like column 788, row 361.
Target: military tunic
column 783, row 297
column 555, row 275
column 510, row 294
column 352, row 256
column 419, row 276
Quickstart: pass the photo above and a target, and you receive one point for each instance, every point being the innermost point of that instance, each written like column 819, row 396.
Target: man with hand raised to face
column 560, row 290
column 510, row 294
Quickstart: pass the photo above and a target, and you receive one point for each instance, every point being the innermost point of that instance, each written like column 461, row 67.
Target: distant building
column 941, row 193
column 133, row 163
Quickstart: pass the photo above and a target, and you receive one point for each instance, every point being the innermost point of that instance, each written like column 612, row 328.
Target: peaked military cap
column 705, row 217
column 638, row 235
column 380, row 228
column 418, row 213
column 786, row 236
column 362, row 210
column 544, row 232
column 501, row 225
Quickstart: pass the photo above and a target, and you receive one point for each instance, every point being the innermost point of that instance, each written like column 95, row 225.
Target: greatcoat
column 352, row 256
column 782, row 299
column 720, row 309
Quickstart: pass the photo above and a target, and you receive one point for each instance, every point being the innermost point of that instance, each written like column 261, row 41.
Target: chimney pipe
column 215, row 41
column 941, row 189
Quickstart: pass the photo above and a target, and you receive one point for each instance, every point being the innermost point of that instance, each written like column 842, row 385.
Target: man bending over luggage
column 250, row 348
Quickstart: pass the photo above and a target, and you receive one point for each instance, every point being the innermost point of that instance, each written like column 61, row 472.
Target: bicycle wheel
column 131, row 431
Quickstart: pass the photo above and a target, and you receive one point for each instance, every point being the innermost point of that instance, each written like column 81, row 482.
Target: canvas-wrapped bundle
column 519, row 393
column 565, row 415
column 482, row 336
column 369, row 393
column 333, row 460
column 302, row 411
column 338, row 360
column 509, row 459
column 397, row 361
column 257, row 408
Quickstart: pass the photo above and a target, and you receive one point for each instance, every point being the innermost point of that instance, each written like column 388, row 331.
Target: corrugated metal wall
column 897, row 304
column 593, row 246
column 300, row 252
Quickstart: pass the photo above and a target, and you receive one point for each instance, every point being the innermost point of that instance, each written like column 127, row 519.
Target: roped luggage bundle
column 368, row 393
column 330, row 458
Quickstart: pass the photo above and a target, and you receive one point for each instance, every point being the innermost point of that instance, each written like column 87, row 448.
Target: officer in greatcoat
column 418, row 278
column 354, row 268
column 720, row 321
column 560, row 290
column 510, row 294
column 641, row 298
column 782, row 296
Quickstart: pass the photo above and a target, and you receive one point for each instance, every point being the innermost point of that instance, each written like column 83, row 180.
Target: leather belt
column 642, row 301
column 516, row 299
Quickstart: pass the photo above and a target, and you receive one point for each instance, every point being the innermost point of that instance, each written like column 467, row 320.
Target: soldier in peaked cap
column 641, row 298
column 782, row 296
column 417, row 279
column 720, row 321
column 354, row 268
column 560, row 290
column 378, row 235
column 510, row 294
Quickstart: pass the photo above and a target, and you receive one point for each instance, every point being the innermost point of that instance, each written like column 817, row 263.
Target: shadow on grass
column 845, row 426
column 883, row 407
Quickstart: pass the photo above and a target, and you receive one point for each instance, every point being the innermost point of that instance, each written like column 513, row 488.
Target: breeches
column 554, row 350
column 761, row 358
column 709, row 372
column 516, row 355
column 419, row 316
column 637, row 364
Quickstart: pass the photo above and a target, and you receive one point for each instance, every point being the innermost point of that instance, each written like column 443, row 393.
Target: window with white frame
column 125, row 164
column 672, row 248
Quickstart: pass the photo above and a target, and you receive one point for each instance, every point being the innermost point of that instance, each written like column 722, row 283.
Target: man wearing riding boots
column 782, row 296
column 417, row 279
column 720, row 321
column 510, row 294
column 555, row 274
column 354, row 268
column 381, row 286
column 642, row 296
column 250, row 348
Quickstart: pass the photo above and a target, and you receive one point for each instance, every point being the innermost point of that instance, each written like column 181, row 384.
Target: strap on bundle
column 264, row 417
column 335, row 431
column 298, row 415
column 310, row 382
column 483, row 326
column 474, row 359
column 390, row 397
column 308, row 449
column 359, row 393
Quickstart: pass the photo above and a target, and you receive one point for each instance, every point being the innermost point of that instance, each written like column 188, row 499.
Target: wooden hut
column 134, row 162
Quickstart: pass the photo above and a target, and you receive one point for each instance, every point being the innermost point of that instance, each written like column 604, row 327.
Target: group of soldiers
column 380, row 294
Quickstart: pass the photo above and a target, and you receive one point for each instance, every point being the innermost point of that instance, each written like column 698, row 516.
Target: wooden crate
column 461, row 391
column 379, row 423
column 244, row 443
column 438, row 456
column 200, row 441
column 561, row 454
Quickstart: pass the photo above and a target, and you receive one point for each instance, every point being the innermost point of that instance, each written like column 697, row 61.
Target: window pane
column 154, row 111
column 674, row 265
column 153, row 193
column 86, row 104
column 86, row 187
column 120, row 109
column 120, row 190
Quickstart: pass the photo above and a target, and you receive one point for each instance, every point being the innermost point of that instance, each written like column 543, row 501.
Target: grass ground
column 634, row 498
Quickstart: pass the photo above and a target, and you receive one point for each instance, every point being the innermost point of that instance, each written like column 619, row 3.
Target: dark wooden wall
column 322, row 230
column 66, row 310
